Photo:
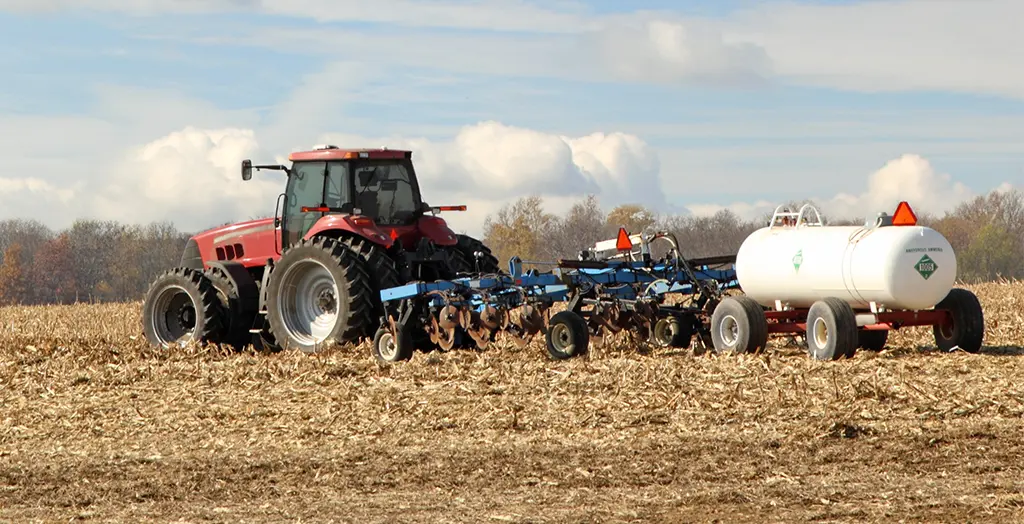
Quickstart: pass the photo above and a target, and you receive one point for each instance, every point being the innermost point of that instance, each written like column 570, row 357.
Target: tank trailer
column 846, row 287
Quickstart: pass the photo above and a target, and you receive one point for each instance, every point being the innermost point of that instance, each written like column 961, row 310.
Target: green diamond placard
column 798, row 259
column 926, row 266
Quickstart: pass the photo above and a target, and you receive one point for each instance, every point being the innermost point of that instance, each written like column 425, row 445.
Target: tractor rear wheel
column 181, row 306
column 463, row 257
column 382, row 272
column 239, row 311
column 319, row 293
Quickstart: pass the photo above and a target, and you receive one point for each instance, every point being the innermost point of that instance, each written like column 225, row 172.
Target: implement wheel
column 567, row 336
column 671, row 332
column 181, row 306
column 392, row 347
column 319, row 294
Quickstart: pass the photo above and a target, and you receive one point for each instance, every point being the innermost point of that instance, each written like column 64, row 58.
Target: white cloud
column 191, row 177
column 909, row 177
column 655, row 50
column 31, row 196
column 489, row 164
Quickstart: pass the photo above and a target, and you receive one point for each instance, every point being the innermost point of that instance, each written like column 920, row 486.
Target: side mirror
column 246, row 169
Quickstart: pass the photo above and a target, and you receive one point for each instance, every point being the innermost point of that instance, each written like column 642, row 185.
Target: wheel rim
column 174, row 315
column 561, row 338
column 309, row 302
column 946, row 329
column 664, row 331
column 387, row 347
column 820, row 332
column 729, row 330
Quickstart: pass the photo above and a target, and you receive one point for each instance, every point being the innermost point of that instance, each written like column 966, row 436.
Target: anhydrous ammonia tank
column 906, row 267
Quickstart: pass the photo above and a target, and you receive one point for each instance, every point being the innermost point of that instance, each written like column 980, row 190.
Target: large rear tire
column 463, row 257
column 239, row 311
column 382, row 272
column 319, row 294
column 181, row 306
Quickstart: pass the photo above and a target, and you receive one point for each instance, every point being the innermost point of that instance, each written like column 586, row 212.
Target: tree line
column 106, row 261
column 986, row 232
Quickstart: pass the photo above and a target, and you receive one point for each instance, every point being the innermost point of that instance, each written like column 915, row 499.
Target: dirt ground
column 96, row 426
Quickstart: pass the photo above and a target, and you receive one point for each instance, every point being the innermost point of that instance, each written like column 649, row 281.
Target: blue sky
column 737, row 104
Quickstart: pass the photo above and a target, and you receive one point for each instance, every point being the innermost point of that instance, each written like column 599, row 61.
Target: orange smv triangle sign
column 904, row 216
column 623, row 243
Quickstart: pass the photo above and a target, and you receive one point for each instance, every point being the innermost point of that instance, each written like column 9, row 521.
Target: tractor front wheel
column 319, row 293
column 181, row 306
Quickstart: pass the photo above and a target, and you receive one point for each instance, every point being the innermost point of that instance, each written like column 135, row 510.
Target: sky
column 142, row 110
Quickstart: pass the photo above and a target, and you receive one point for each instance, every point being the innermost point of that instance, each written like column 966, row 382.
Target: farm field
column 97, row 426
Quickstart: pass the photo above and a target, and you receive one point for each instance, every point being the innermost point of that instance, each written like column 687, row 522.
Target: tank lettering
column 926, row 266
column 924, row 250
column 798, row 259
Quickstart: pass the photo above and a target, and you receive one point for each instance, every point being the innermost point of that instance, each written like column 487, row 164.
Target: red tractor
column 350, row 223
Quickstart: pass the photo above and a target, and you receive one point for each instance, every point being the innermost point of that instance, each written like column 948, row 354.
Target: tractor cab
column 376, row 187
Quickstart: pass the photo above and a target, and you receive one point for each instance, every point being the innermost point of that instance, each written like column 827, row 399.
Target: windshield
column 384, row 191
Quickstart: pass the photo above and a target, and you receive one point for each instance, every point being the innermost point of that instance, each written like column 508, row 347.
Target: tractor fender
column 354, row 225
column 248, row 292
column 437, row 230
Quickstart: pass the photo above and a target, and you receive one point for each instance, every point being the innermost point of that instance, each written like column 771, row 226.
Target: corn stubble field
column 97, row 426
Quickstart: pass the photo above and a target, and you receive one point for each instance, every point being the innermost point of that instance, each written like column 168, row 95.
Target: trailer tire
column 831, row 330
column 872, row 339
column 738, row 325
column 968, row 329
column 181, row 306
column 337, row 302
column 567, row 336
column 392, row 347
column 671, row 332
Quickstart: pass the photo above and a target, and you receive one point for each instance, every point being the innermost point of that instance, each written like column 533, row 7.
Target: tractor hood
column 250, row 243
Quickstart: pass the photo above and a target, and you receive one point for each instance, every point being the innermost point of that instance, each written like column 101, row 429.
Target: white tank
column 897, row 267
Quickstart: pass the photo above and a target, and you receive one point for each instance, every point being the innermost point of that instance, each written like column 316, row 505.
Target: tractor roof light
column 904, row 216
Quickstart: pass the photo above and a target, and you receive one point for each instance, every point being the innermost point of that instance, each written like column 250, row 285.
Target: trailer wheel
column 671, row 332
column 738, row 325
column 567, row 336
column 181, row 306
column 319, row 293
column 872, row 339
column 392, row 347
column 831, row 330
column 968, row 326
